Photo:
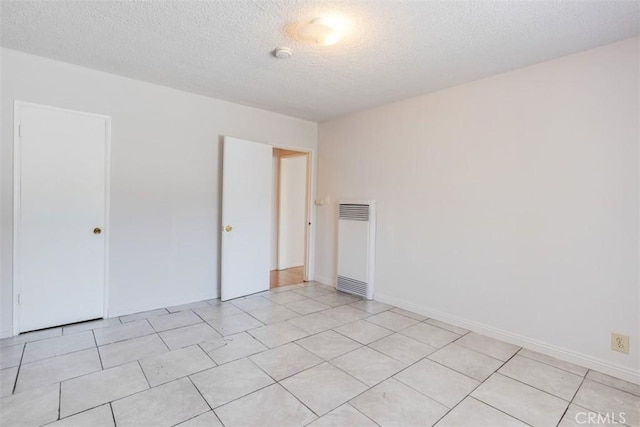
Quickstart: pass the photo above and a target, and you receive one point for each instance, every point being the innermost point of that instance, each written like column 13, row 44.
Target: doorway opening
column 289, row 217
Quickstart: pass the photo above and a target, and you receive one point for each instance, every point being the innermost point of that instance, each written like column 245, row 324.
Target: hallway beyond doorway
column 289, row 276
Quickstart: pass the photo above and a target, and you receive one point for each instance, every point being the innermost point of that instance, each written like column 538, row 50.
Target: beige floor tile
column 521, row 401
column 143, row 315
column 57, row 346
column 307, row 306
column 273, row 314
column 368, row 366
column 7, row 380
column 323, row 388
column 253, row 303
column 30, row 337
column 567, row 366
column 345, row 314
column 476, row 365
column 314, row 291
column 392, row 321
column 277, row 334
column 285, row 297
column 286, row 360
column 175, row 364
column 189, row 306
column 402, row 348
column 127, row 351
column 89, row 391
column 547, row 378
column 56, row 369
column 473, row 413
column 430, row 335
column 96, row 417
column 337, row 299
column 452, row 328
column 208, row 419
column 392, row 403
column 32, row 408
column 441, row 384
column 343, row 416
column 232, row 347
column 370, row 306
column 329, row 344
column 363, row 331
column 228, row 382
column 233, row 324
column 315, row 323
column 411, row 314
column 174, row 320
column 11, row 356
column 189, row 335
column 217, row 311
column 497, row 349
column 90, row 325
column 579, row 417
column 614, row 382
column 165, row 405
column 133, row 329
column 271, row 406
column 604, row 399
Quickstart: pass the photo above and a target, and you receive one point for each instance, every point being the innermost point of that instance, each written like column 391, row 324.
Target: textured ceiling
column 392, row 49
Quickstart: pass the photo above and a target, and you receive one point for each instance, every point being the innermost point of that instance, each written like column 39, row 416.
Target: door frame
column 17, row 173
column 309, row 212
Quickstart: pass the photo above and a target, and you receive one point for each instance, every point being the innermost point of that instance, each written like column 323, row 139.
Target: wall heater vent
column 356, row 247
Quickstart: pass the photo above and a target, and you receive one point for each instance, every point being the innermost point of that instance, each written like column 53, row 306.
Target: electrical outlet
column 620, row 343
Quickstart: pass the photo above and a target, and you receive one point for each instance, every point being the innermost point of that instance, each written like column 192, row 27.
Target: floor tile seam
column 553, row 366
column 15, row 380
column 463, row 373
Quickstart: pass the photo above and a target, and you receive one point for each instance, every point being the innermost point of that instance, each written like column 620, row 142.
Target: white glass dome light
column 320, row 31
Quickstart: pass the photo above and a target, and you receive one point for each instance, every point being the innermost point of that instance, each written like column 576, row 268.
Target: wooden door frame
column 309, row 221
column 17, row 173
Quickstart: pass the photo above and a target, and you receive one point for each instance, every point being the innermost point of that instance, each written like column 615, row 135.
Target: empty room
column 350, row 213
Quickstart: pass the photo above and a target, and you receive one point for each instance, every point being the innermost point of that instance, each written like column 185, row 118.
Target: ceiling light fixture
column 321, row 31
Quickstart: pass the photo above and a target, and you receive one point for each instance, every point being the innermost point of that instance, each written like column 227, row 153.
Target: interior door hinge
column 19, row 131
column 18, row 299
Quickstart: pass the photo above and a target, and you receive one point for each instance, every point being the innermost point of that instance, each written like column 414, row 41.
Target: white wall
column 165, row 175
column 275, row 208
column 508, row 205
column 292, row 224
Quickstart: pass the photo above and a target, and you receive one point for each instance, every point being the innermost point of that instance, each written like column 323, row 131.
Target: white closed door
column 246, row 217
column 60, row 224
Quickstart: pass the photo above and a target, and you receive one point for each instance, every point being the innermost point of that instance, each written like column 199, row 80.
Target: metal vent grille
column 352, row 286
column 354, row 212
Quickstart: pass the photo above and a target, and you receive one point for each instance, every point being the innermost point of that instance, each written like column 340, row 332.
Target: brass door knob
column 97, row 230
column 228, row 228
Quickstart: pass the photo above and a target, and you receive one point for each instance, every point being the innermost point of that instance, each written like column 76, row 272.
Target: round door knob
column 228, row 228
column 97, row 230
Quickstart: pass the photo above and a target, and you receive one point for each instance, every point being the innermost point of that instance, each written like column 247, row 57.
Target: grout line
column 59, row 398
column 553, row 366
column 97, row 349
column 113, row 415
column 144, row 374
column 15, row 381
column 194, row 417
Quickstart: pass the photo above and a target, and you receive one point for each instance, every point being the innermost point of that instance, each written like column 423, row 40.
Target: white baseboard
column 517, row 339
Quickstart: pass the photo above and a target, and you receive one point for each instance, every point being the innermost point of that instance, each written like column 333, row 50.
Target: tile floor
column 293, row 356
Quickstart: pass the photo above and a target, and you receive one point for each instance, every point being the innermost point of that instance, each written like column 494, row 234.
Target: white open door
column 246, row 217
column 60, row 202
